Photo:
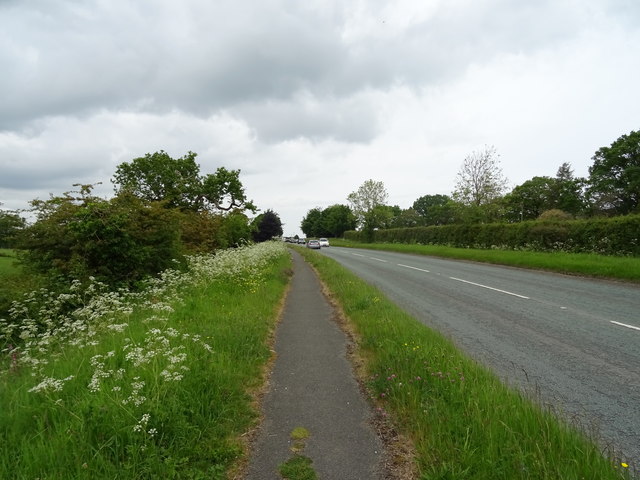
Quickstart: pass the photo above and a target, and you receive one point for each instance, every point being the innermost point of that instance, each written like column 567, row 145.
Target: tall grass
column 97, row 384
column 464, row 422
column 622, row 268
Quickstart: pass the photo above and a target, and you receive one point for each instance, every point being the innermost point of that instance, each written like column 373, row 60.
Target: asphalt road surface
column 572, row 341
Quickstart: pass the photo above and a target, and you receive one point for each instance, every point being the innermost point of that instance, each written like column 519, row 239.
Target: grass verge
column 620, row 268
column 464, row 423
column 159, row 389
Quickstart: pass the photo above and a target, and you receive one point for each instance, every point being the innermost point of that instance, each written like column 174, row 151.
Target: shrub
column 605, row 236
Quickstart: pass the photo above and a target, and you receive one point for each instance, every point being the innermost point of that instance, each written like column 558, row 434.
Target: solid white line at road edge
column 414, row 268
column 490, row 288
column 625, row 325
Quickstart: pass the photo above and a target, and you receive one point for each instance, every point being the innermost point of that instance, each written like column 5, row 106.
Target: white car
column 324, row 242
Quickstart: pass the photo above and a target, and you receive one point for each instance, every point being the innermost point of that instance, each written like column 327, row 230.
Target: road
column 573, row 342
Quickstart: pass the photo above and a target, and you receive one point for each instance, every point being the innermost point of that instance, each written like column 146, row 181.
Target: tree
column 118, row 241
column 337, row 219
column 10, row 224
column 311, row 224
column 614, row 177
column 535, row 196
column 369, row 195
column 529, row 200
column 178, row 183
column 235, row 230
column 434, row 209
column 333, row 221
column 568, row 193
column 268, row 226
column 407, row 218
column 480, row 179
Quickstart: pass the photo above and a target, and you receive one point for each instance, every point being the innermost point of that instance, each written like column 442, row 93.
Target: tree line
column 163, row 209
column 480, row 195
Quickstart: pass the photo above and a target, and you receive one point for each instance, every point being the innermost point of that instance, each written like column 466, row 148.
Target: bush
column 605, row 236
column 118, row 241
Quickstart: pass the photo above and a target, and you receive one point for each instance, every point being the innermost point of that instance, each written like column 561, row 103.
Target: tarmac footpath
column 312, row 386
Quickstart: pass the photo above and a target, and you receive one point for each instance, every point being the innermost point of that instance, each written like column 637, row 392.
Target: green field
column 620, row 268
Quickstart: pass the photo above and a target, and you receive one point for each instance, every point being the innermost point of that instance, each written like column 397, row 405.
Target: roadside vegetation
column 152, row 383
column 463, row 422
column 598, row 214
column 14, row 281
column 604, row 266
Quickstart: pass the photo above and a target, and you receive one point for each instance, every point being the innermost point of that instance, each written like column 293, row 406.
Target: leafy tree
column 311, row 224
column 118, row 241
column 336, row 220
column 569, row 191
column 407, row 218
column 434, row 209
column 333, row 221
column 614, row 177
column 235, row 230
column 177, row 182
column 369, row 195
column 535, row 196
column 268, row 226
column 529, row 200
column 10, row 224
column 480, row 179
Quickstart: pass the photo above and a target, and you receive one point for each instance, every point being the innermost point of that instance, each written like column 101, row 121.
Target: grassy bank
column 464, row 422
column 138, row 386
column 620, row 268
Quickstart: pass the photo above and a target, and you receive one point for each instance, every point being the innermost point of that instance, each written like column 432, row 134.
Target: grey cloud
column 350, row 120
column 66, row 58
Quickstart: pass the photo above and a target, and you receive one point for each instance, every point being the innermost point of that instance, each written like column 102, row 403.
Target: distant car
column 324, row 242
column 315, row 244
column 301, row 241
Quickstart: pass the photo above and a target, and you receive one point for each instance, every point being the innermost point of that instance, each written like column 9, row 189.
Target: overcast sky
column 311, row 98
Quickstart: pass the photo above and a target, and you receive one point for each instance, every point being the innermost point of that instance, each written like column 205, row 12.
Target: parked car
column 324, row 242
column 315, row 244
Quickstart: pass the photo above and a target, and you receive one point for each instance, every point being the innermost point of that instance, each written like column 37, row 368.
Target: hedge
column 604, row 236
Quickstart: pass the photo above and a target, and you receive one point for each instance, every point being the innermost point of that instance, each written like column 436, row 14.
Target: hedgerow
column 604, row 236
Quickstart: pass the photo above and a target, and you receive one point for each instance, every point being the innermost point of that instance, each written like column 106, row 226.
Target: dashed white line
column 490, row 288
column 378, row 259
column 357, row 255
column 625, row 325
column 413, row 268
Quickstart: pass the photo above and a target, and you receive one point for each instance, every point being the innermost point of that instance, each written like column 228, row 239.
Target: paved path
column 312, row 386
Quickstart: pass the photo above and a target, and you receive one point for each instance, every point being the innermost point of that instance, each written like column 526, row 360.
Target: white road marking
column 357, row 255
column 378, row 259
column 413, row 268
column 625, row 325
column 490, row 288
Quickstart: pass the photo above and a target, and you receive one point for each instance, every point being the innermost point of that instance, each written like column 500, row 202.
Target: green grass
column 8, row 262
column 620, row 268
column 464, row 423
column 14, row 283
column 172, row 392
column 298, row 468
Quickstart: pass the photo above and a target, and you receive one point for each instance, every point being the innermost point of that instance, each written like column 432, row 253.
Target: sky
column 309, row 99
